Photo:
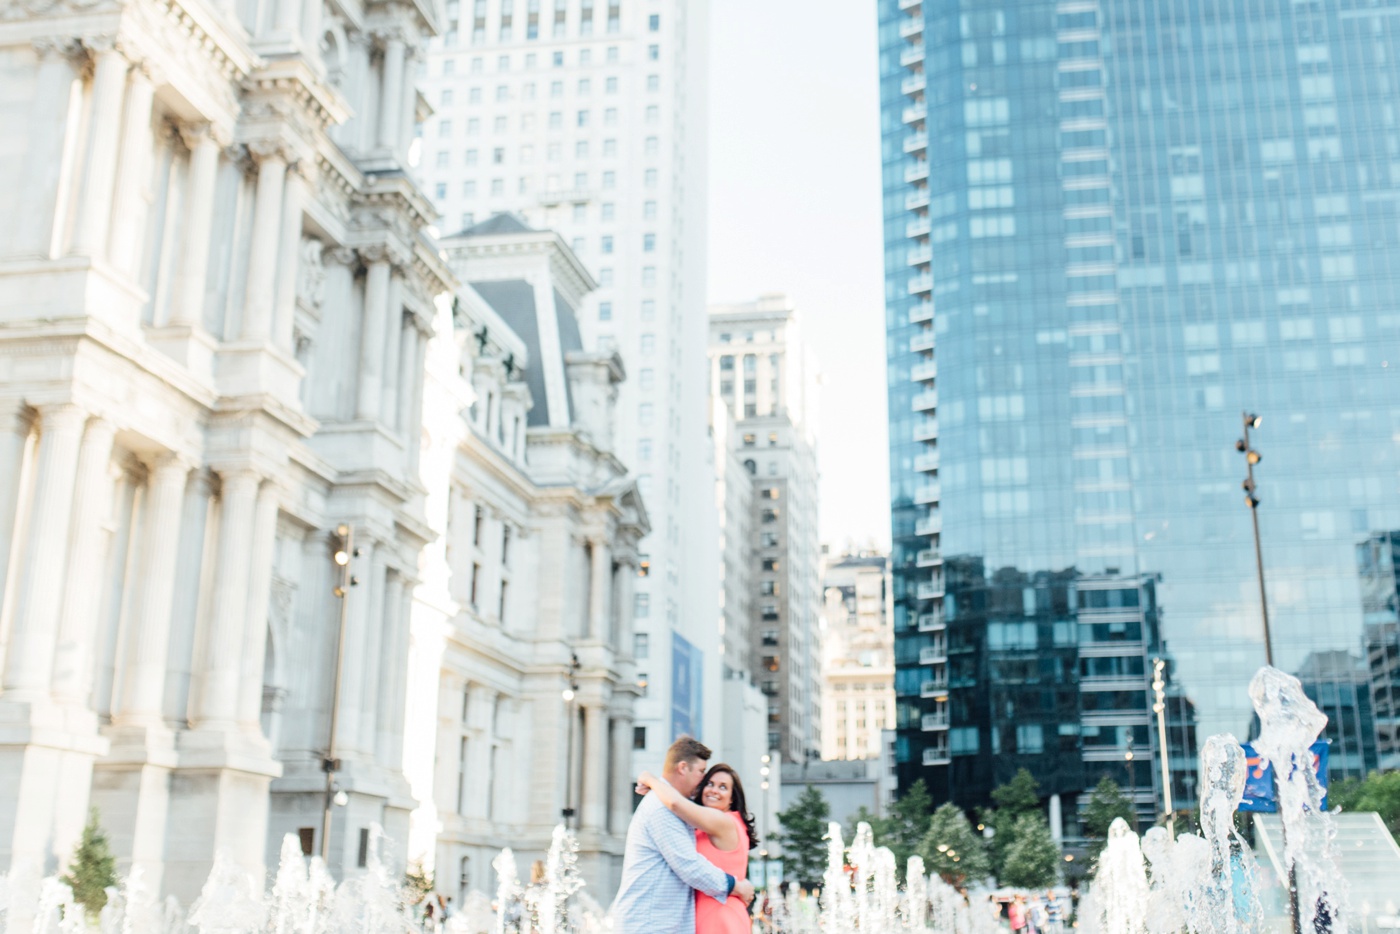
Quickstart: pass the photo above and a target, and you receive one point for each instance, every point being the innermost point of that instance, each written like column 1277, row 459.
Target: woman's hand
column 646, row 782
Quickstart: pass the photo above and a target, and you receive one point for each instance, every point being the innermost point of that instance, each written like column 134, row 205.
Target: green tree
column 804, row 825
column 1105, row 805
column 904, row 829
column 952, row 848
column 93, row 869
column 1379, row 792
column 1032, row 859
column 1015, row 799
column 865, row 815
column 417, row 883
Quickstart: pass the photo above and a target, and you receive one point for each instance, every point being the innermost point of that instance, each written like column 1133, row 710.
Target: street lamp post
column 764, row 771
column 1159, row 707
column 345, row 552
column 1251, row 499
column 569, row 694
column 1129, row 757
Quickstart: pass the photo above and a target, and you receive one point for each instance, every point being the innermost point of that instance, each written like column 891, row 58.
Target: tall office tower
column 857, row 648
column 766, row 377
column 1110, row 228
column 589, row 119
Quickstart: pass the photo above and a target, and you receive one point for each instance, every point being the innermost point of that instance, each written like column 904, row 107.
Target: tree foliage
column 952, row 848
column 417, row 883
column 1379, row 792
column 804, row 827
column 93, row 869
column 1032, row 858
column 903, row 831
column 1105, row 805
column 1015, row 799
column 863, row 814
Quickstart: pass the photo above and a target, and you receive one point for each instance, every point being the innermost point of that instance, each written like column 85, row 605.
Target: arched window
column 751, row 467
column 464, row 881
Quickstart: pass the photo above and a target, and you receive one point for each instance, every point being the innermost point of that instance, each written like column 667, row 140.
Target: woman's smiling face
column 718, row 792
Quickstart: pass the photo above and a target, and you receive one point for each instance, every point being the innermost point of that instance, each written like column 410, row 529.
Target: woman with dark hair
column 724, row 834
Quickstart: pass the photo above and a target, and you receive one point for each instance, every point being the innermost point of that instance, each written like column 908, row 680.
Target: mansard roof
column 504, row 223
column 514, row 301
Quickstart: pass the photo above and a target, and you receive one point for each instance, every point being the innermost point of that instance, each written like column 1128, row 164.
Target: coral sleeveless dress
column 732, row 917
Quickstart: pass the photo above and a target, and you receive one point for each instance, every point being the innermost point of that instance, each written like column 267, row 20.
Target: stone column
column 599, row 590
column 389, row 715
column 40, row 584
column 311, row 23
column 188, row 305
column 289, row 256
column 352, row 677
column 129, row 218
column 394, row 338
column 100, row 169
column 216, row 703
column 413, row 430
column 263, row 247
column 622, row 775
column 143, row 682
column 39, row 195
column 391, row 91
column 289, row 15
column 408, row 114
column 15, row 426
column 595, row 768
column 409, row 376
column 373, row 636
column 72, row 675
column 372, row 329
column 627, row 588
column 259, row 595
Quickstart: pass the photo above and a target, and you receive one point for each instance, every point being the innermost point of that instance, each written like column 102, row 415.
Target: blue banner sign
column 1259, row 793
column 687, row 670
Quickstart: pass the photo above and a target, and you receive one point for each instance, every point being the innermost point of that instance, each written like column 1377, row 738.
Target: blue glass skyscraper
column 1111, row 227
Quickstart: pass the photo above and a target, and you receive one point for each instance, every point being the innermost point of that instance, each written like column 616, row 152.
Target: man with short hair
column 661, row 870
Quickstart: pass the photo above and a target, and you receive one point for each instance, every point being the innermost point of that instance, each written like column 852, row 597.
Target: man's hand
column 744, row 889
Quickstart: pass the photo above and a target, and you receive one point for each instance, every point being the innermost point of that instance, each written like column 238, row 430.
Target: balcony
column 929, row 590
column 913, row 26
column 914, row 84
column 916, row 172
column 928, row 558
column 933, row 721
column 918, row 198
column 910, row 4
column 925, row 401
column 937, row 755
column 920, row 256
column 915, row 113
column 921, row 312
column 573, row 196
column 926, row 462
column 926, row 430
column 918, row 227
column 934, row 687
column 933, row 655
column 920, row 285
column 932, row 622
column 912, row 55
column 915, row 143
column 926, row 494
column 924, row 371
column 921, row 342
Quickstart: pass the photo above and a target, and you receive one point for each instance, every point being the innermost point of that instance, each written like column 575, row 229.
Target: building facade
column 589, row 119
column 763, row 373
column 214, row 320
column 1109, row 229
column 857, row 650
column 1378, row 564
column 524, row 681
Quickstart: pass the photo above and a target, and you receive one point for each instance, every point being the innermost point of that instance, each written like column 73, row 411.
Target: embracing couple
column 687, row 850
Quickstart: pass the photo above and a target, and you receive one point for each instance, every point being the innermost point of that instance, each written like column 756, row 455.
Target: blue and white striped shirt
column 661, row 873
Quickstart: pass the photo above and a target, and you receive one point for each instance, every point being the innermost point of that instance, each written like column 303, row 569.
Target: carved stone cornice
column 295, row 82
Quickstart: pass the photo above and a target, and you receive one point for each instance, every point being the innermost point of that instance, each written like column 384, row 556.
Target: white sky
column 795, row 207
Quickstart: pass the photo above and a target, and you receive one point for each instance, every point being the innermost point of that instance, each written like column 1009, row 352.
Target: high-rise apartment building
column 1111, row 227
column 857, row 649
column 765, row 376
column 588, row 118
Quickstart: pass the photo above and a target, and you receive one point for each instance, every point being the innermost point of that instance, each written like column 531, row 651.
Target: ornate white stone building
column 217, row 294
column 857, row 656
column 527, row 589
